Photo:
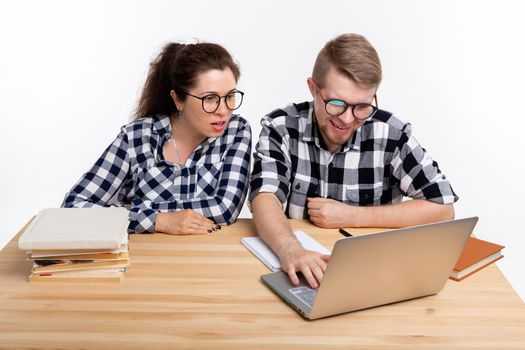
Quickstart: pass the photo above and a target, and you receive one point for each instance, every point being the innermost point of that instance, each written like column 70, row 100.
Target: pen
column 345, row 233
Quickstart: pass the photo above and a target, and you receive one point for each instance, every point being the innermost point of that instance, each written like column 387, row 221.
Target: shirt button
column 298, row 186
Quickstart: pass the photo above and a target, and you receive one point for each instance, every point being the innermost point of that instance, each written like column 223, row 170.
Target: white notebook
column 76, row 229
column 268, row 257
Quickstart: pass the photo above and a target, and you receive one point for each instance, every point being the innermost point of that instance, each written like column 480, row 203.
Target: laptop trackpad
column 301, row 297
column 305, row 294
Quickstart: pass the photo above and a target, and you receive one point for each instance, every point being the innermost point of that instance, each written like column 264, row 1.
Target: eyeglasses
column 336, row 107
column 211, row 102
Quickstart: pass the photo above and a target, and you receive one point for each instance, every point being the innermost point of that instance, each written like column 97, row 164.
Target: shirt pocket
column 208, row 175
column 364, row 194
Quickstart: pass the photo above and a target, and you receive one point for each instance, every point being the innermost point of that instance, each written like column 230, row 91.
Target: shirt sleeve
column 226, row 203
column 272, row 163
column 418, row 173
column 100, row 184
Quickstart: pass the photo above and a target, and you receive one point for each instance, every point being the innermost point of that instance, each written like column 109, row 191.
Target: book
column 76, row 228
column 34, row 254
column 476, row 255
column 103, row 274
column 263, row 252
column 77, row 244
column 78, row 265
column 76, row 257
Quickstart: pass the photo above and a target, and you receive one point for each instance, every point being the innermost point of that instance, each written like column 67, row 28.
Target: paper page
column 267, row 256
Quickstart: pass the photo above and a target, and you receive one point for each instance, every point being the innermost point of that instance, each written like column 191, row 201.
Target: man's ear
column 311, row 86
column 178, row 102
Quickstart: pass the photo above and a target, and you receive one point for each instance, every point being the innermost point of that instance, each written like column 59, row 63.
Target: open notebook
column 267, row 256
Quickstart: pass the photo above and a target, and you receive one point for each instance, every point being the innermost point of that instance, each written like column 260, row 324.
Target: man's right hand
column 294, row 258
column 275, row 229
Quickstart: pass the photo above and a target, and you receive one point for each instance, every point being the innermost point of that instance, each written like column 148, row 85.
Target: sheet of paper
column 267, row 256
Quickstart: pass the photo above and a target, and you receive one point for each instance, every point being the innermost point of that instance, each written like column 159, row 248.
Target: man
column 340, row 161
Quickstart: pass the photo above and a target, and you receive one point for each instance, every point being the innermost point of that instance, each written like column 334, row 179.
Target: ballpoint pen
column 345, row 233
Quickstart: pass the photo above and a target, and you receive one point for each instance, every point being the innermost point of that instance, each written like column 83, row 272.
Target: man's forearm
column 271, row 223
column 408, row 213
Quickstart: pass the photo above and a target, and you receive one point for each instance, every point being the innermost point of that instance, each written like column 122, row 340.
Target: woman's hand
column 184, row 222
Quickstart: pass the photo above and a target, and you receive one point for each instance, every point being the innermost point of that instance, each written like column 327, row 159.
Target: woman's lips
column 218, row 126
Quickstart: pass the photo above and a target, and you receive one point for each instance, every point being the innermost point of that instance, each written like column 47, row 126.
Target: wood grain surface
column 204, row 292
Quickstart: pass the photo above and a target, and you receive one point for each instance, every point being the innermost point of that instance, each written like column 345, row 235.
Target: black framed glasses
column 211, row 102
column 336, row 107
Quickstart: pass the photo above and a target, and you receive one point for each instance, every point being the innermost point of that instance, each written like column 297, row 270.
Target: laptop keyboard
column 305, row 294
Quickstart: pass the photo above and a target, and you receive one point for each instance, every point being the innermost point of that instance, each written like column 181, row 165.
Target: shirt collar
column 354, row 142
column 162, row 127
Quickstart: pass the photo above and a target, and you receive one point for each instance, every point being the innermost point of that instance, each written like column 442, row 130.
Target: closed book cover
column 82, row 257
column 79, row 265
column 262, row 251
column 35, row 254
column 95, row 275
column 476, row 255
column 76, row 228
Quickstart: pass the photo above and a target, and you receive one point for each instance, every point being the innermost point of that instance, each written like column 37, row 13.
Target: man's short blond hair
column 352, row 55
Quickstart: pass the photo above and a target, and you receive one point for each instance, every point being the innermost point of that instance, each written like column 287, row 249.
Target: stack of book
column 77, row 244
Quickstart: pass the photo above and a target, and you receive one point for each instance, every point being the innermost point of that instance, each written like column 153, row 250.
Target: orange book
column 476, row 255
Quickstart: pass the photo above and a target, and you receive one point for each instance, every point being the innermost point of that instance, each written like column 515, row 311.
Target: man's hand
column 274, row 228
column 329, row 213
column 184, row 222
column 294, row 258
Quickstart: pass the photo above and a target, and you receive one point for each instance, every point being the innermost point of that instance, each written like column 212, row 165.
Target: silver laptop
column 379, row 268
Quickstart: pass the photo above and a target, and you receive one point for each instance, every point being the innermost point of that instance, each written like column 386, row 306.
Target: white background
column 71, row 73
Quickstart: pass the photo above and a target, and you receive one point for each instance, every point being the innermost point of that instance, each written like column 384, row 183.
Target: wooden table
column 204, row 292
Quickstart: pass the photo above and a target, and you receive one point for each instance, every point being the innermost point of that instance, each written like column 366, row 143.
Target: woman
column 182, row 165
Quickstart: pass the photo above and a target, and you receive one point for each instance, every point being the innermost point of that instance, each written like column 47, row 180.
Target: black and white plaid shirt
column 132, row 172
column 381, row 163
